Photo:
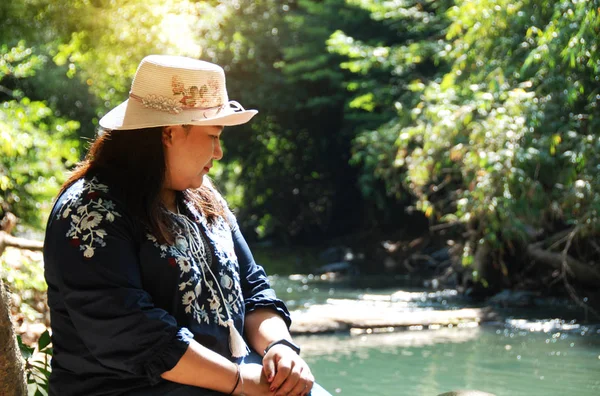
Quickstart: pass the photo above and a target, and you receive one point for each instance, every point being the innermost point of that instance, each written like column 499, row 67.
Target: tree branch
column 581, row 272
column 7, row 240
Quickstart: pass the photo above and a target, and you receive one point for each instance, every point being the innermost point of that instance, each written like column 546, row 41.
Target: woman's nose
column 217, row 150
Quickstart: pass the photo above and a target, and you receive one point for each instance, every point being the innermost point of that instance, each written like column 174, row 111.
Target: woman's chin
column 197, row 183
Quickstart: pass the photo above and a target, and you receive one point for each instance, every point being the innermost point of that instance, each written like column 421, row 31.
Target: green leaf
column 48, row 351
column 43, row 369
column 44, row 340
column 26, row 351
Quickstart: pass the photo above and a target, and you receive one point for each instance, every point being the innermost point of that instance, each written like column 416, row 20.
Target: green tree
column 36, row 147
column 500, row 143
column 389, row 70
column 293, row 159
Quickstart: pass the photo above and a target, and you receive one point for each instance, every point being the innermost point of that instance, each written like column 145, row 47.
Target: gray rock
column 342, row 267
column 514, row 298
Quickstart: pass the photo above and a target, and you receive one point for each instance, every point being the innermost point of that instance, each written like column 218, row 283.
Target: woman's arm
column 201, row 367
column 264, row 326
column 285, row 370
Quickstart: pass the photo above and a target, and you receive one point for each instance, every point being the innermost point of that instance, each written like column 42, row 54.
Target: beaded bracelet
column 237, row 380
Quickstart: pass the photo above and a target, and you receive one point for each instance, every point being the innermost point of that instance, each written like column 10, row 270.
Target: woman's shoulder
column 87, row 195
column 87, row 189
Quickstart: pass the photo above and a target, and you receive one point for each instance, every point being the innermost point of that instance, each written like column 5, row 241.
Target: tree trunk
column 580, row 272
column 12, row 375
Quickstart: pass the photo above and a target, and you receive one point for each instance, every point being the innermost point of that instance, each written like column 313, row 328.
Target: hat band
column 163, row 103
column 233, row 105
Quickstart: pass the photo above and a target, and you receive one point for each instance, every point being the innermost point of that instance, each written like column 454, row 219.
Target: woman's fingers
column 291, row 382
column 269, row 369
column 282, row 371
column 299, row 381
column 290, row 373
column 302, row 387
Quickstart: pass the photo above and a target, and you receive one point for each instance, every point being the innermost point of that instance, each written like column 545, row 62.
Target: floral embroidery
column 83, row 232
column 197, row 285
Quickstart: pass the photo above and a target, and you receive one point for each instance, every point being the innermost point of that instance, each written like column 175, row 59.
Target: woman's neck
column 168, row 198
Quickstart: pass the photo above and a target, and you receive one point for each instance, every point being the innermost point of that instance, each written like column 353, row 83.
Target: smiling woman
column 151, row 286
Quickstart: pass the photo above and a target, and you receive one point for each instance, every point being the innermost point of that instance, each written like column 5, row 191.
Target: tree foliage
column 63, row 65
column 32, row 164
column 481, row 113
column 293, row 159
column 500, row 138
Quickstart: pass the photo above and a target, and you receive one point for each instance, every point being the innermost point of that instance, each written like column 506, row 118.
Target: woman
column 151, row 286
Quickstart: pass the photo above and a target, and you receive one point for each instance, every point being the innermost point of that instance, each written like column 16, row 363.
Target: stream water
column 542, row 351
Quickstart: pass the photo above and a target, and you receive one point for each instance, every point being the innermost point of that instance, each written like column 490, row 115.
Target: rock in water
column 466, row 393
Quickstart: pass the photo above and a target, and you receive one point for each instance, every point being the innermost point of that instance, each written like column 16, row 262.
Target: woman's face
column 189, row 154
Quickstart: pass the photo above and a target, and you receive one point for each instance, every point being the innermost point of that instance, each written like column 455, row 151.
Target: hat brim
column 132, row 114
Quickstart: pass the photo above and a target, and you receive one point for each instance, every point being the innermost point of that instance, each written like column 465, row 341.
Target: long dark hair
column 133, row 162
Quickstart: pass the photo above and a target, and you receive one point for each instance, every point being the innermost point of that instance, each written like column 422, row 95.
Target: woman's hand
column 287, row 372
column 254, row 382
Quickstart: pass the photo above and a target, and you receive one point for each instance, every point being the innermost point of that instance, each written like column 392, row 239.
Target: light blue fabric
column 172, row 389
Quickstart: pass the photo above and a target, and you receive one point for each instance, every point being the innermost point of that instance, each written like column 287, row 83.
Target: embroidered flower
column 83, row 231
column 226, row 280
column 91, row 220
column 181, row 243
column 188, row 298
column 184, row 265
column 214, row 303
column 201, row 290
column 88, row 252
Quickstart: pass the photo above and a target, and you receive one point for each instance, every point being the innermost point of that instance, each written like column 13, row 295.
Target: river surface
column 543, row 351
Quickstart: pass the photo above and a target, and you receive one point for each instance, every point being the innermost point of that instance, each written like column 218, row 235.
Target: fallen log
column 581, row 272
column 345, row 315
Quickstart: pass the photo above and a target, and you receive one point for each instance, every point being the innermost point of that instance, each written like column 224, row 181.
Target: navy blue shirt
column 124, row 307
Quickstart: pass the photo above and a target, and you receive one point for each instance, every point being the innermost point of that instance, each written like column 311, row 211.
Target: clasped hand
column 286, row 372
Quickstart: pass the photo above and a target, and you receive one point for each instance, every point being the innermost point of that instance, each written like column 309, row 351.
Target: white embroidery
column 194, row 279
column 87, row 217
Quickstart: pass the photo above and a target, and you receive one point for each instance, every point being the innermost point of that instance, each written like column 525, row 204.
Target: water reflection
column 528, row 353
column 431, row 362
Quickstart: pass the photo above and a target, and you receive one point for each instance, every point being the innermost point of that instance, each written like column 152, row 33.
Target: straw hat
column 174, row 90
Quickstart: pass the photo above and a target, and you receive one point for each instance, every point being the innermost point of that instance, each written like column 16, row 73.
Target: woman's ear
column 167, row 136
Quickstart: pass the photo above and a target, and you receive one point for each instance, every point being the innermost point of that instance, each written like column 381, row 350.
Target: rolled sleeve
column 255, row 285
column 96, row 277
